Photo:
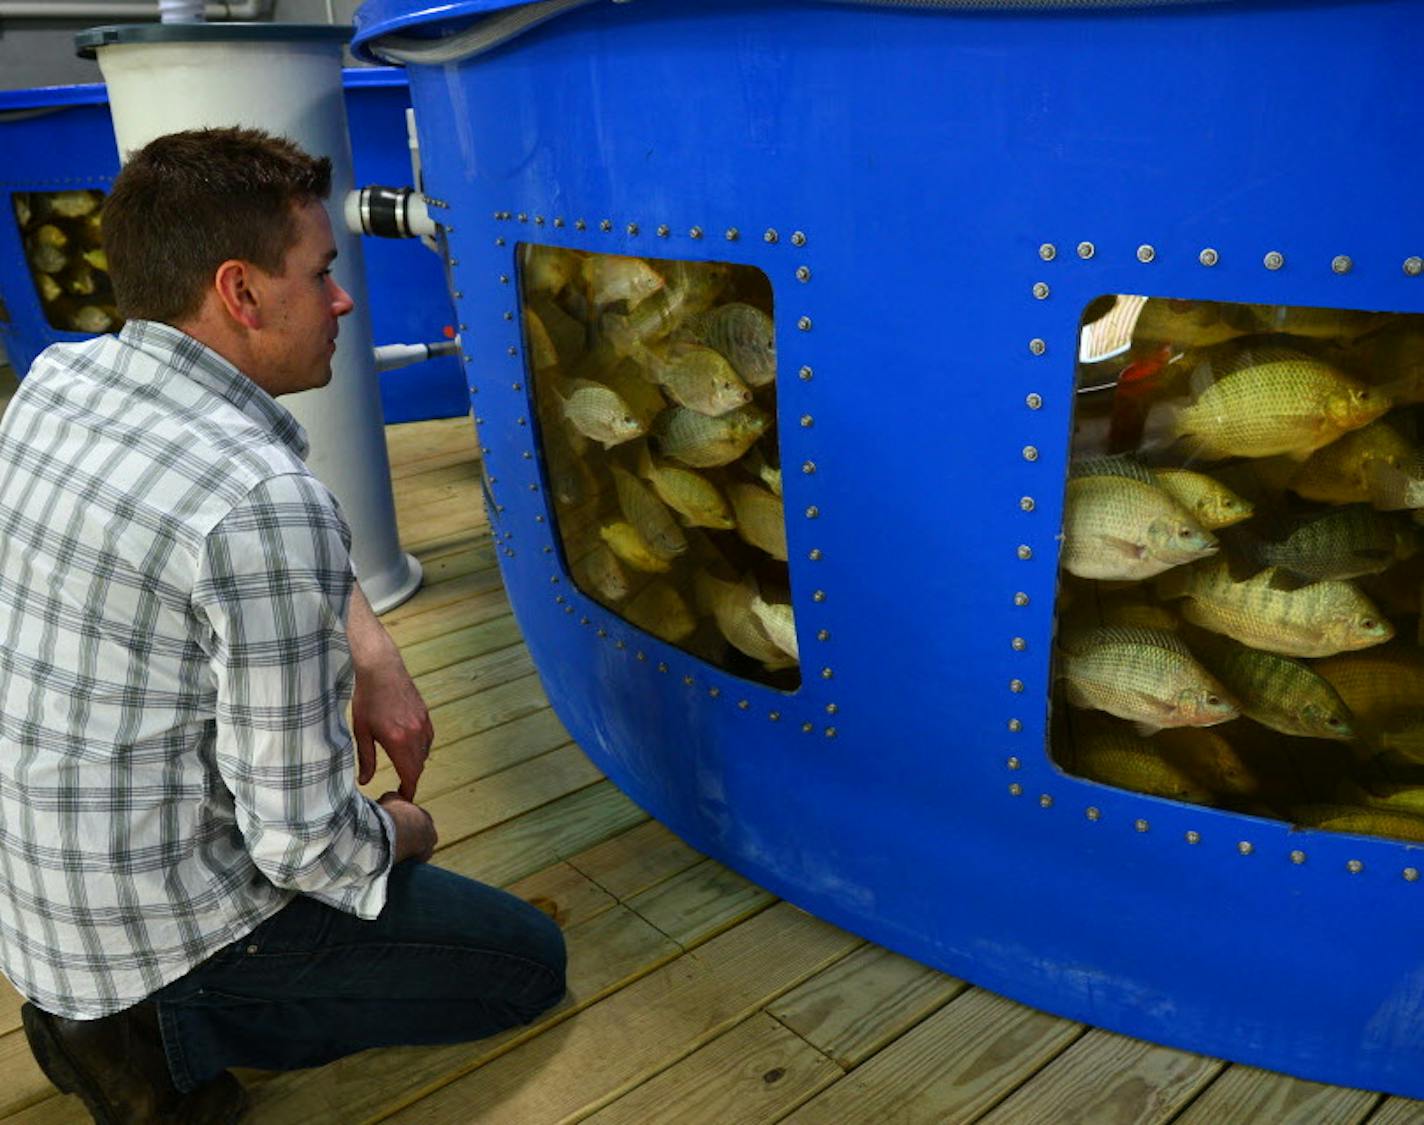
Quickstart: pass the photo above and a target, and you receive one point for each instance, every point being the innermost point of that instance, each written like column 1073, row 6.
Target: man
column 189, row 878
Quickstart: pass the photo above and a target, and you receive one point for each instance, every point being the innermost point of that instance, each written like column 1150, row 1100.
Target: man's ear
column 236, row 285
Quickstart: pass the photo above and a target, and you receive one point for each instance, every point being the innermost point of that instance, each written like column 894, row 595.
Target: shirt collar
column 185, row 356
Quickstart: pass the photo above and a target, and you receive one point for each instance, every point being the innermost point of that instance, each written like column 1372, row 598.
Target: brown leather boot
column 116, row 1064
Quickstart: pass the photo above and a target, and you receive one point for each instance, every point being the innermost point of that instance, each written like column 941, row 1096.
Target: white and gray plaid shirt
column 174, row 672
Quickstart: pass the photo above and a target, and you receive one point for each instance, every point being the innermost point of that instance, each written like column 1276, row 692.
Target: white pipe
column 244, row 10
column 391, row 356
column 180, row 11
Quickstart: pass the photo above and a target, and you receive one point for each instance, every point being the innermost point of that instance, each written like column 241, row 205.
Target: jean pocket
column 299, row 927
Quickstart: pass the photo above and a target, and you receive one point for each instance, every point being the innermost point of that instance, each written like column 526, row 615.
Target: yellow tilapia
column 761, row 518
column 1188, row 324
column 569, row 337
column 548, row 269
column 1147, row 676
column 744, row 335
column 602, row 574
column 1269, row 613
column 1378, row 682
column 598, row 413
column 1341, row 543
column 49, row 289
column 1361, row 821
column 1211, row 503
column 1313, row 323
column 611, row 277
column 649, row 515
column 629, row 546
column 702, row 442
column 1393, row 359
column 1121, row 525
column 1112, row 755
column 780, row 624
column 97, row 259
column 659, row 609
column 538, row 343
column 626, row 379
column 696, row 377
column 1267, row 401
column 756, row 464
column 93, row 318
column 73, row 204
column 730, row 603
column 690, row 494
column 1207, row 758
column 1278, row 692
column 1345, row 470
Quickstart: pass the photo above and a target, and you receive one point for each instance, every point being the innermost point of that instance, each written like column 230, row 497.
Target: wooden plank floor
column 695, row 997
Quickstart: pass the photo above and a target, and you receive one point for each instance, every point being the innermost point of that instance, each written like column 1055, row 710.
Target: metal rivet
column 620, row 644
column 807, row 421
column 803, row 273
column 1025, row 552
column 511, row 350
column 1026, row 503
column 1092, row 812
column 457, row 294
column 508, row 316
column 1033, row 400
column 559, row 222
column 832, row 708
column 664, row 230
column 696, row 232
column 499, row 242
column 1040, row 289
column 1141, row 825
column 1016, row 725
column 808, row 727
column 830, row 732
column 732, row 234
column 714, row 692
column 632, row 228
column 1297, row 857
column 1045, row 801
column 823, row 635
column 827, row 674
column 605, row 224
column 1013, row 763
column 1048, row 251
column 640, row 655
column 538, row 519
column 1037, row 346
column 798, row 238
column 770, row 235
column 533, row 488
column 1274, row 260
column 583, row 620
column 558, row 599
column 662, row 667
column 1354, row 866
column 538, row 220
column 1341, row 263
column 1193, row 837
column 1208, row 257
column 1086, row 250
column 548, row 550
column 1146, row 253
column 1245, row 847
column 1021, row 599
column 812, row 512
column 522, row 421
column 1030, row 453
column 803, row 323
column 523, row 218
column 568, row 609
column 1015, row 790
column 814, row 554
column 687, row 680
column 527, row 455
column 252, row 949
column 1016, row 686
column 805, row 373
column 464, row 328
column 774, row 716
column 579, row 224
column 498, row 215
column 743, row 704
column 1414, row 266
column 818, row 596
column 1018, row 644
column 1411, row 874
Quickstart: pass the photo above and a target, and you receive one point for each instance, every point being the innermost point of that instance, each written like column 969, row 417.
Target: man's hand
column 385, row 706
column 415, row 830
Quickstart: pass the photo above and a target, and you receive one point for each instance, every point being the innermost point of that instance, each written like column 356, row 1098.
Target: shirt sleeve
column 274, row 583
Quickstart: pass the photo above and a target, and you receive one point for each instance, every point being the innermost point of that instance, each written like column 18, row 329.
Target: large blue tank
column 935, row 193
column 61, row 139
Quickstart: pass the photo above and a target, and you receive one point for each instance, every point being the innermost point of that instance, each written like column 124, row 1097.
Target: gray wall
column 41, row 52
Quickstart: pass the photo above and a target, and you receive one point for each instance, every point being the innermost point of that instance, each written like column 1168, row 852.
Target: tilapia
column 1313, row 323
column 93, row 318
column 691, row 495
column 548, row 269
column 603, row 575
column 649, row 515
column 611, row 277
column 97, row 259
column 703, row 442
column 1343, row 543
column 730, row 603
column 1384, row 687
column 696, row 377
column 538, row 343
column 1147, row 676
column 629, row 546
column 761, row 518
column 569, row 337
column 626, row 379
column 1276, row 691
column 72, row 204
column 780, row 624
column 1267, row 401
column 659, row 609
column 598, row 413
column 1269, row 613
column 1121, row 525
column 1205, row 756
column 1393, row 359
column 743, row 334
column 1112, row 755
column 1345, row 471
column 1189, row 324
column 1361, row 821
column 756, row 464
column 1210, row 502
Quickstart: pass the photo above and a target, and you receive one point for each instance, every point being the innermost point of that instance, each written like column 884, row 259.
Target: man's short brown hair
column 187, row 202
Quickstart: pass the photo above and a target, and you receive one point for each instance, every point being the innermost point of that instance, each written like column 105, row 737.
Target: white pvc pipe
column 180, row 11
column 291, row 88
column 243, row 10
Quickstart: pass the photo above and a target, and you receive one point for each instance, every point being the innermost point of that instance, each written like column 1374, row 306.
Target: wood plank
column 500, row 704
column 490, row 669
column 857, row 1006
column 10, row 1002
column 1109, row 1080
column 429, row 536
column 479, row 605
column 752, row 1075
column 503, row 796
column 949, row 1069
column 636, row 860
column 643, row 1027
column 1244, row 1095
column 450, row 579
column 487, row 631
column 60, row 1109
column 24, row 1083
column 413, row 488
column 564, row 895
column 1398, row 1111
column 542, row 837
column 438, row 460
column 409, row 443
column 698, row 902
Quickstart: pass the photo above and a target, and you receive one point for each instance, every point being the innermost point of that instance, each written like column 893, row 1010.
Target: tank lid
column 409, row 22
column 54, row 97
column 87, row 43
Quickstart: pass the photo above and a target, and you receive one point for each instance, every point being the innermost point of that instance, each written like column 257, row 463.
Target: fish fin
column 1124, row 546
column 1146, row 730
column 1278, row 578
column 1121, row 465
column 1163, row 426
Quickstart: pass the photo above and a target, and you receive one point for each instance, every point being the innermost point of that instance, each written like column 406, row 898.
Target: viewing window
column 60, row 234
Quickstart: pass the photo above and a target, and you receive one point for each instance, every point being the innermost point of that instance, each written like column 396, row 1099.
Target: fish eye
column 1368, row 622
column 1213, row 701
column 627, row 421
column 1333, row 721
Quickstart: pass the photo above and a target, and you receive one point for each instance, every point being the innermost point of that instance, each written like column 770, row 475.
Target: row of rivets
column 732, row 234
column 1273, row 260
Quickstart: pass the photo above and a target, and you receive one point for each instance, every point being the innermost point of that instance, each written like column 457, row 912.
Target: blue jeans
column 447, row 961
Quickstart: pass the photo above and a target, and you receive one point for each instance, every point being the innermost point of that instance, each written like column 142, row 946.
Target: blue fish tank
column 959, row 465
column 60, row 158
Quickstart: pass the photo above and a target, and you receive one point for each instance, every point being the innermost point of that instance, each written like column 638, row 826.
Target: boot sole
column 58, row 1067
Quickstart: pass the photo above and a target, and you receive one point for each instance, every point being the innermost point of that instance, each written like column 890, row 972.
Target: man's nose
column 341, row 302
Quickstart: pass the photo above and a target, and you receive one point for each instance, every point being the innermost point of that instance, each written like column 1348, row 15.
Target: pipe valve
column 389, row 212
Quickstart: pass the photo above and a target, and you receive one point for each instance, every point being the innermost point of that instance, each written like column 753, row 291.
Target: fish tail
column 1162, row 426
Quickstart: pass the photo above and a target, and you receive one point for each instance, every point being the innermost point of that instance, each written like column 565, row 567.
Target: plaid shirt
column 174, row 672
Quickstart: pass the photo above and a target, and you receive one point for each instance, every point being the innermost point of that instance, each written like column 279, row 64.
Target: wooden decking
column 695, row 997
